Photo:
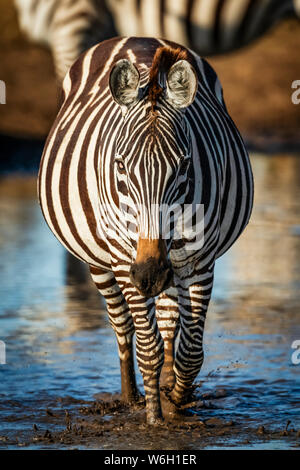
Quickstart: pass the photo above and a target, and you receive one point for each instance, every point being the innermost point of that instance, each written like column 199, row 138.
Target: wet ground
column 59, row 386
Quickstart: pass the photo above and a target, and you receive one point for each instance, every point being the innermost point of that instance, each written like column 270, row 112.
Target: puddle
column 61, row 352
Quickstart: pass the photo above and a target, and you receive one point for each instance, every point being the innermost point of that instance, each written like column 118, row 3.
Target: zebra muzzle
column 151, row 277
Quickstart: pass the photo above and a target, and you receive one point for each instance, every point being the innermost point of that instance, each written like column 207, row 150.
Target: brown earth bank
column 107, row 423
column 256, row 80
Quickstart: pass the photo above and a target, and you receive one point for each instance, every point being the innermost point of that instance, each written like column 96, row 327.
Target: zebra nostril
column 133, row 273
column 151, row 277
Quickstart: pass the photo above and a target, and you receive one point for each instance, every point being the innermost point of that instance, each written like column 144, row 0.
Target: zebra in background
column 66, row 27
column 143, row 125
column 209, row 27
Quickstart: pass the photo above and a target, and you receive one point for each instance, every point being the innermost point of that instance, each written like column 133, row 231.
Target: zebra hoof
column 181, row 399
column 154, row 421
column 167, row 379
column 170, row 410
column 173, row 412
column 154, row 414
column 175, row 399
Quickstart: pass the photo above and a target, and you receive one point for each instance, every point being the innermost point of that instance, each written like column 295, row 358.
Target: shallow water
column 59, row 343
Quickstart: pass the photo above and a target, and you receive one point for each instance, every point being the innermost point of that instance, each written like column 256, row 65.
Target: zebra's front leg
column 149, row 350
column 122, row 323
column 167, row 315
column 193, row 304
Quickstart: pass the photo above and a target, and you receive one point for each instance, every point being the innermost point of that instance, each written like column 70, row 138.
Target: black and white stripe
column 67, row 27
column 102, row 156
column 209, row 27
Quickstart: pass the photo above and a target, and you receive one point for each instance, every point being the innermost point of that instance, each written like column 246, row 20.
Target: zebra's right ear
column 124, row 83
column 182, row 84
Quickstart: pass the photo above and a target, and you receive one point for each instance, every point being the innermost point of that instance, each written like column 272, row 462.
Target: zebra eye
column 121, row 166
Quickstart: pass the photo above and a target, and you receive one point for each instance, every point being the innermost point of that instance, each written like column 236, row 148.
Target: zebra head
column 153, row 158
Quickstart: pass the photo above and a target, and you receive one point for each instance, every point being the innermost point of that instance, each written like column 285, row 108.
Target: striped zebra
column 143, row 126
column 66, row 27
column 209, row 27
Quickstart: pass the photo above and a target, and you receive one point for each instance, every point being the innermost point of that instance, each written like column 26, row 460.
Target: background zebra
column 143, row 123
column 208, row 27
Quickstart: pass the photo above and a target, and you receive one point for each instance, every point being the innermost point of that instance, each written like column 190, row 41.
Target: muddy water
column 61, row 353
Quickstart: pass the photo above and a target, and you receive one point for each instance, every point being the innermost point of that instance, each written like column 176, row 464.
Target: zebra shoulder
column 212, row 81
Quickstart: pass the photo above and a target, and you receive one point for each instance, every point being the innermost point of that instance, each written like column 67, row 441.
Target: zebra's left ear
column 182, row 83
column 124, row 83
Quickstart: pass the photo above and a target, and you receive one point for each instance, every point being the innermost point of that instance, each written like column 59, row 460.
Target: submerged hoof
column 182, row 400
column 173, row 412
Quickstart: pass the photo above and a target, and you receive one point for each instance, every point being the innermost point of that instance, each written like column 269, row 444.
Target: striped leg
column 149, row 349
column 167, row 315
column 121, row 321
column 193, row 304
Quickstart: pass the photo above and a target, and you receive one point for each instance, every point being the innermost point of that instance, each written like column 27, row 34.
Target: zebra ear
column 182, row 84
column 124, row 83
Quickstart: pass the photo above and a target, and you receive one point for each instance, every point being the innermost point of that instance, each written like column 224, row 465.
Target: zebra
column 209, row 27
column 66, row 27
column 143, row 125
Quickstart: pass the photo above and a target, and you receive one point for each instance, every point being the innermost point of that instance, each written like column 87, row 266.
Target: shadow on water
column 61, row 351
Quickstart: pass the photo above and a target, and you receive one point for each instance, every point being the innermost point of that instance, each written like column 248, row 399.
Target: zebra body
column 143, row 123
column 67, row 27
column 209, row 27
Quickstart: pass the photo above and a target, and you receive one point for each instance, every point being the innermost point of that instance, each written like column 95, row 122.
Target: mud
column 107, row 423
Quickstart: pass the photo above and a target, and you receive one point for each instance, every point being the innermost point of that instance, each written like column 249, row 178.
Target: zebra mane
column 163, row 60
